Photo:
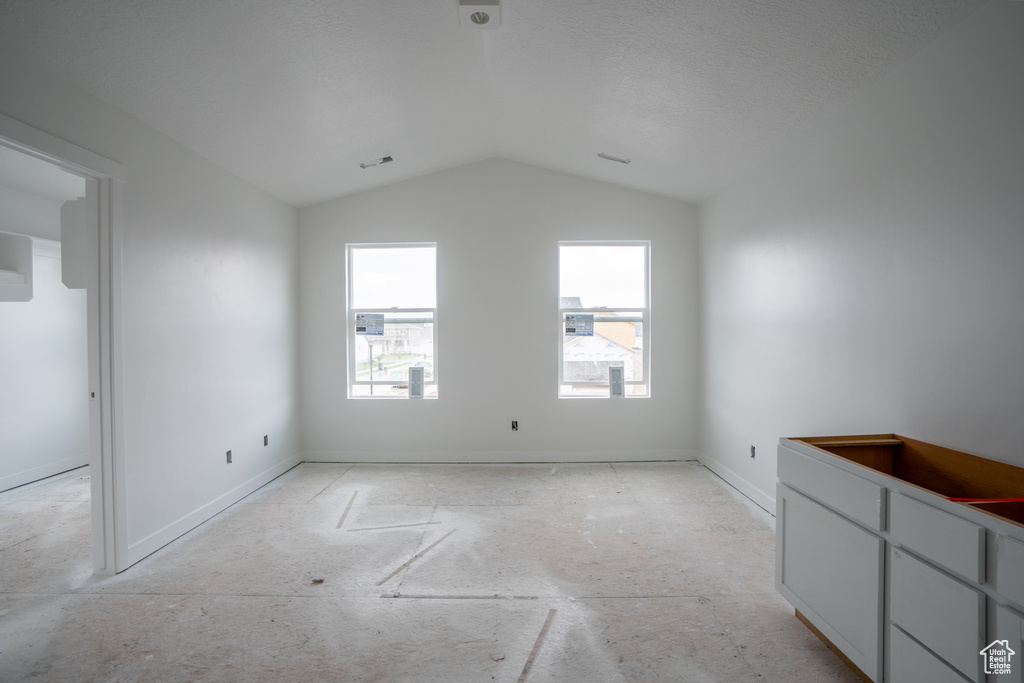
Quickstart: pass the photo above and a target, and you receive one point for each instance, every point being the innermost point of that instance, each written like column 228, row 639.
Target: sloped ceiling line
column 293, row 94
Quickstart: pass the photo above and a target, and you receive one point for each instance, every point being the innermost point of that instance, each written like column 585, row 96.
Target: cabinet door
column 832, row 571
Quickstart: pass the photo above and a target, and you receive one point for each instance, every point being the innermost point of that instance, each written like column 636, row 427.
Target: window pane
column 597, row 284
column 385, row 359
column 586, row 358
column 402, row 277
column 388, row 356
column 602, row 275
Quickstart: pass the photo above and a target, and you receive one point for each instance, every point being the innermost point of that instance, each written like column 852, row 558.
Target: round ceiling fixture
column 479, row 18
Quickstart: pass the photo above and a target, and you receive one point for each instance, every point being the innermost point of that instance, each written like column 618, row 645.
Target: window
column 392, row 318
column 604, row 316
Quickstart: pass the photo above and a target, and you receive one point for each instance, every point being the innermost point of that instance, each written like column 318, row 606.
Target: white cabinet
column 947, row 540
column 852, row 496
column 911, row 662
column 1008, row 575
column 832, row 571
column 907, row 557
column 945, row 615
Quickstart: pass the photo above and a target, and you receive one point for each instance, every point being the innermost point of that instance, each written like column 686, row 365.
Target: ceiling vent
column 480, row 14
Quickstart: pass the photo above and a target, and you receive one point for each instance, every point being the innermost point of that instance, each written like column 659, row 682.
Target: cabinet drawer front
column 947, row 540
column 1009, row 574
column 942, row 613
column 857, row 498
column 911, row 663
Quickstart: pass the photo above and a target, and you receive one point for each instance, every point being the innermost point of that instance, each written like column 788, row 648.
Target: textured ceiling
column 293, row 95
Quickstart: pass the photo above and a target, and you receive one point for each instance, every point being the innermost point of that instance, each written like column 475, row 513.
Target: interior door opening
column 44, row 349
column 58, row 219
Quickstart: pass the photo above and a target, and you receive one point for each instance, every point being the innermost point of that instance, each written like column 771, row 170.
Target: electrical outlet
column 515, row 425
column 229, row 457
column 752, row 452
column 266, row 440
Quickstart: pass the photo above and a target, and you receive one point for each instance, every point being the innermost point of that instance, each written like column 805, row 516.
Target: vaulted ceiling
column 293, row 95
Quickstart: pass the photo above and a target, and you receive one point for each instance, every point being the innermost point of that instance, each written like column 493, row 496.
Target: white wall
column 29, row 214
column 44, row 377
column 497, row 224
column 871, row 277
column 209, row 315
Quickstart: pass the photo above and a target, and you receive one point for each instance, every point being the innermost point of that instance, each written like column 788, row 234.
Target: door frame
column 106, row 414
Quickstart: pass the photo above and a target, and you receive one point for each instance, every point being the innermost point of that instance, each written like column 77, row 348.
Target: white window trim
column 351, row 313
column 643, row 316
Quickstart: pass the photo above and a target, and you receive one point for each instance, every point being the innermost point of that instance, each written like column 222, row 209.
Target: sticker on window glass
column 370, row 324
column 579, row 324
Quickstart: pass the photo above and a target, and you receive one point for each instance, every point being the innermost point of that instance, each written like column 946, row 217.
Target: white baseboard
column 9, row 481
column 449, row 457
column 158, row 539
column 739, row 483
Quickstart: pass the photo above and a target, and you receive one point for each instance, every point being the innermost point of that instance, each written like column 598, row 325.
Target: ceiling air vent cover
column 480, row 14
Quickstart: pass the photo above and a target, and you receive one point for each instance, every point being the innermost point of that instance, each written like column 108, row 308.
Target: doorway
column 44, row 406
column 87, row 254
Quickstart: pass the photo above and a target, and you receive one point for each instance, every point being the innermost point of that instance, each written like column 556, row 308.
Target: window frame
column 350, row 324
column 641, row 315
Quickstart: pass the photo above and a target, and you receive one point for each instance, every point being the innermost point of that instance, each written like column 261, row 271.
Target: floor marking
column 414, row 558
column 460, row 597
column 393, row 526
column 345, row 513
column 331, row 484
column 536, row 646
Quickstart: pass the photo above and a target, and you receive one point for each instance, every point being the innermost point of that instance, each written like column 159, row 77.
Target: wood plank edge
column 862, row 442
column 835, row 650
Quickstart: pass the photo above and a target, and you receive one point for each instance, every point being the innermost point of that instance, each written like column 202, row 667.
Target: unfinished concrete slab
column 576, row 572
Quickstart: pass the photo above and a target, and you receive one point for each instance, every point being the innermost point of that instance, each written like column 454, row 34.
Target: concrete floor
column 332, row 572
